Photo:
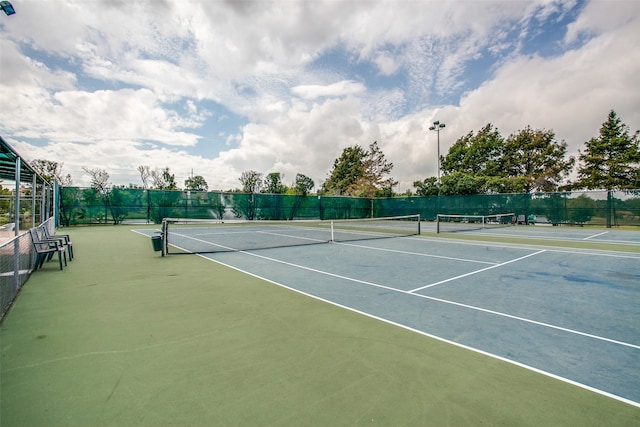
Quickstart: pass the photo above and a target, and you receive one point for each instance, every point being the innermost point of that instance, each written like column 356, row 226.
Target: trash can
column 156, row 241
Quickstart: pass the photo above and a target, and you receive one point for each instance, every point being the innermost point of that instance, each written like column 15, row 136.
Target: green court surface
column 125, row 337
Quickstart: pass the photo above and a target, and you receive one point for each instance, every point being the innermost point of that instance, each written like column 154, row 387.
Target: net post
column 333, row 240
column 419, row 230
column 163, row 235
column 437, row 223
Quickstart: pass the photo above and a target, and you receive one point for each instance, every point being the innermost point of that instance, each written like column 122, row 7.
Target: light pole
column 437, row 126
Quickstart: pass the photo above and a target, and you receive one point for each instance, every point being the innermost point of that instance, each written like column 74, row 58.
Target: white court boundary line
column 485, row 353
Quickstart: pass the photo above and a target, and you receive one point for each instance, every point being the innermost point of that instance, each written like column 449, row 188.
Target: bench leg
column 42, row 257
column 38, row 263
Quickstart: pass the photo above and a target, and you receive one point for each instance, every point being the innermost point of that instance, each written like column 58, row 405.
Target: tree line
column 482, row 162
column 535, row 161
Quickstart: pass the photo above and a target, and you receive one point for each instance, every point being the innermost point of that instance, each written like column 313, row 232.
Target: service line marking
column 474, row 272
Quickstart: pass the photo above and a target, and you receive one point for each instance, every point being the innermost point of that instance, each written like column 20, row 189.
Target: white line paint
column 474, row 272
column 417, row 254
column 595, row 235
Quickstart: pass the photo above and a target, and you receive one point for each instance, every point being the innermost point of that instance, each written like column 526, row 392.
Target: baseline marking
column 475, row 272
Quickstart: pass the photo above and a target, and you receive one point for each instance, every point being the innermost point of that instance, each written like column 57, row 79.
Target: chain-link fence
column 88, row 206
column 17, row 258
column 614, row 208
column 30, row 210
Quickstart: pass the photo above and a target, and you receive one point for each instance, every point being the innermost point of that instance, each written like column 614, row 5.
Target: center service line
column 474, row 272
column 595, row 235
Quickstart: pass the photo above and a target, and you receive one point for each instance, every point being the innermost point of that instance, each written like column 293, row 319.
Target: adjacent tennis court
column 568, row 313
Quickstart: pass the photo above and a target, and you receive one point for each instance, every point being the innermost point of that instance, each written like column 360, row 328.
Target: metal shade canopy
column 8, row 157
column 14, row 168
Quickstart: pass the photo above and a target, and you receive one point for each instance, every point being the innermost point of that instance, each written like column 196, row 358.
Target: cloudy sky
column 215, row 87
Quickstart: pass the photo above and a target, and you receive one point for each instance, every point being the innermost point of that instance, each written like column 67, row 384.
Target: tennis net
column 194, row 236
column 453, row 223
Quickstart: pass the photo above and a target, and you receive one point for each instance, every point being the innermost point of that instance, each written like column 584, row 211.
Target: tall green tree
column 479, row 154
column 474, row 164
column 196, row 183
column 537, row 158
column 426, row 187
column 461, row 183
column 360, row 172
column 303, row 185
column 273, row 184
column 610, row 161
column 530, row 160
column 347, row 170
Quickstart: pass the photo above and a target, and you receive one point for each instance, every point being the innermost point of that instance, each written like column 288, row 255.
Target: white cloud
column 23, row 73
column 343, row 88
column 121, row 87
column 386, row 63
column 570, row 94
column 603, row 17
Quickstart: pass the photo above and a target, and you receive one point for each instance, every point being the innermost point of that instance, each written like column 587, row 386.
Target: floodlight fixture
column 437, row 126
column 7, row 7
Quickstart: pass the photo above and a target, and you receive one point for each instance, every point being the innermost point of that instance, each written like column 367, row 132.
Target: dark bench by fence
column 45, row 249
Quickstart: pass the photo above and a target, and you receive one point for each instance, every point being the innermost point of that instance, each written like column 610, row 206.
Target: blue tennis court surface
column 573, row 314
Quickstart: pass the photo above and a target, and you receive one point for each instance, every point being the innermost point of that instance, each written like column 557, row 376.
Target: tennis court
column 341, row 334
column 568, row 313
